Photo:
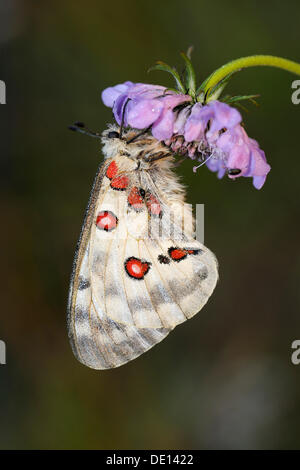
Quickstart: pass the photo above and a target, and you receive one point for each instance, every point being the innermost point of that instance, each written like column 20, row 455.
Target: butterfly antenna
column 123, row 118
column 144, row 131
column 155, row 158
column 80, row 127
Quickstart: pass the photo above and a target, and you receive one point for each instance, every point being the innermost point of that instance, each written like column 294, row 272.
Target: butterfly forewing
column 138, row 273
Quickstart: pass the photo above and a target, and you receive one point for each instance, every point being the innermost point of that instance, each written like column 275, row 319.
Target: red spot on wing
column 135, row 199
column 136, row 268
column 106, row 220
column 177, row 254
column 153, row 205
column 112, row 170
column 194, row 252
column 120, row 183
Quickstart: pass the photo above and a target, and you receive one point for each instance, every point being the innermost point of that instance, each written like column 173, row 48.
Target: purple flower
column 241, row 157
column 210, row 133
column 142, row 105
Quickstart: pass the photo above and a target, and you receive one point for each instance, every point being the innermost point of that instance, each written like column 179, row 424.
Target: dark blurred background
column 225, row 378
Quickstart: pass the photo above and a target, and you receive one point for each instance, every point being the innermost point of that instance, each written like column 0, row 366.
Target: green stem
column 251, row 61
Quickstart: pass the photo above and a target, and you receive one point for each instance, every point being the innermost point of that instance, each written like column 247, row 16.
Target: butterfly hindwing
column 187, row 268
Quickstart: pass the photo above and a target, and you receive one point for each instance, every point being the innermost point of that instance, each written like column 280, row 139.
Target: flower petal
column 180, row 121
column 218, row 165
column 118, row 108
column 197, row 122
column 162, row 129
column 143, row 113
column 239, row 158
column 260, row 166
column 110, row 94
column 224, row 116
column 146, row 91
column 258, row 181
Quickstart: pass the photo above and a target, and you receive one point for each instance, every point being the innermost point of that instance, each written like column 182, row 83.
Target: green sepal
column 216, row 91
column 200, row 90
column 172, row 89
column 166, row 68
column 237, row 98
column 190, row 76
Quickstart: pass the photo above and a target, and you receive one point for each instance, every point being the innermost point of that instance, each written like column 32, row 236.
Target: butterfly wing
column 123, row 298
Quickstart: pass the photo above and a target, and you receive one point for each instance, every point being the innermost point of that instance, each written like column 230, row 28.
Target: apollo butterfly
column 138, row 271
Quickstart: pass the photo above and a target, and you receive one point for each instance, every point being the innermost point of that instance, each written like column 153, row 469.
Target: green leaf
column 166, row 68
column 190, row 75
column 235, row 99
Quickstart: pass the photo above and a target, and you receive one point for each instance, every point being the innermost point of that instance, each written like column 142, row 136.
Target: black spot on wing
column 163, row 259
column 203, row 273
column 83, row 283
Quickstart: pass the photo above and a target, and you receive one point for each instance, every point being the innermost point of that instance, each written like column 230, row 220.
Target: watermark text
column 2, row 92
column 296, row 94
column 295, row 357
column 2, row 352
